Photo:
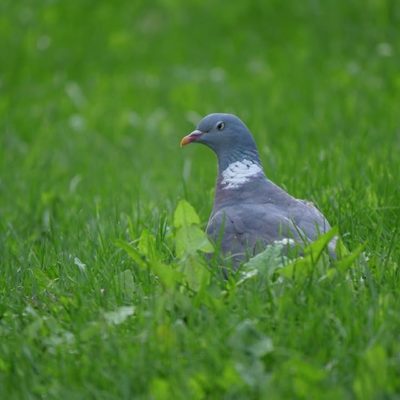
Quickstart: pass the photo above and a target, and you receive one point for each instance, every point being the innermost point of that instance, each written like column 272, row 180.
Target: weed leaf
column 185, row 215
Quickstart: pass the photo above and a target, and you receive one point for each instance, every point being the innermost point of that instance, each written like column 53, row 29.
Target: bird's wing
column 312, row 222
column 243, row 231
column 307, row 216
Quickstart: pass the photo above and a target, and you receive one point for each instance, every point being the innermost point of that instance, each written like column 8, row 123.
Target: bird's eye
column 220, row 125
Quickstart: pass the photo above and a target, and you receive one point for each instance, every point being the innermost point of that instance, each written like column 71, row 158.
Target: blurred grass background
column 95, row 96
column 103, row 91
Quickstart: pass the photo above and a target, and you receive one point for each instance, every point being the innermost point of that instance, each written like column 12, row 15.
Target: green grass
column 94, row 98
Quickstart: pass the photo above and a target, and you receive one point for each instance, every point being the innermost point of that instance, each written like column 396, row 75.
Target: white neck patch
column 238, row 173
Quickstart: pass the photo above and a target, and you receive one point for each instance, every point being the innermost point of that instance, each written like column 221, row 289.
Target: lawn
column 102, row 294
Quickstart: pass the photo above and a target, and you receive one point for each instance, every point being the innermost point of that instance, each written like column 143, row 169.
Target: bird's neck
column 225, row 159
column 238, row 178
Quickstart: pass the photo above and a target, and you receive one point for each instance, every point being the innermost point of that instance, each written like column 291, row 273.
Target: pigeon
column 250, row 212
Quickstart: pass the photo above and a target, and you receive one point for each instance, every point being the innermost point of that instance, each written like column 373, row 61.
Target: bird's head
column 227, row 136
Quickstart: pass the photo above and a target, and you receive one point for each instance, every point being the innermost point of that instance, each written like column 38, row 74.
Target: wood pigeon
column 251, row 212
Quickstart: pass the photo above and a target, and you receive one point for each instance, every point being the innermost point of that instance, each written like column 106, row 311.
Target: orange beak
column 192, row 137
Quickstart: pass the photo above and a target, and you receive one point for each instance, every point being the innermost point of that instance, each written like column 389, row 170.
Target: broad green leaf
column 196, row 273
column 147, row 244
column 302, row 265
column 59, row 339
column 167, row 274
column 316, row 248
column 330, row 273
column 247, row 275
column 312, row 254
column 80, row 264
column 119, row 315
column 190, row 239
column 346, row 262
column 341, row 250
column 267, row 261
column 132, row 253
column 252, row 372
column 185, row 215
column 248, row 340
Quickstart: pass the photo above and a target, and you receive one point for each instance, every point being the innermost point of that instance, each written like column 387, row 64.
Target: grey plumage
column 249, row 210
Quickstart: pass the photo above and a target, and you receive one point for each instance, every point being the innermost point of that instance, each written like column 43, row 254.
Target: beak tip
column 184, row 141
column 192, row 137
